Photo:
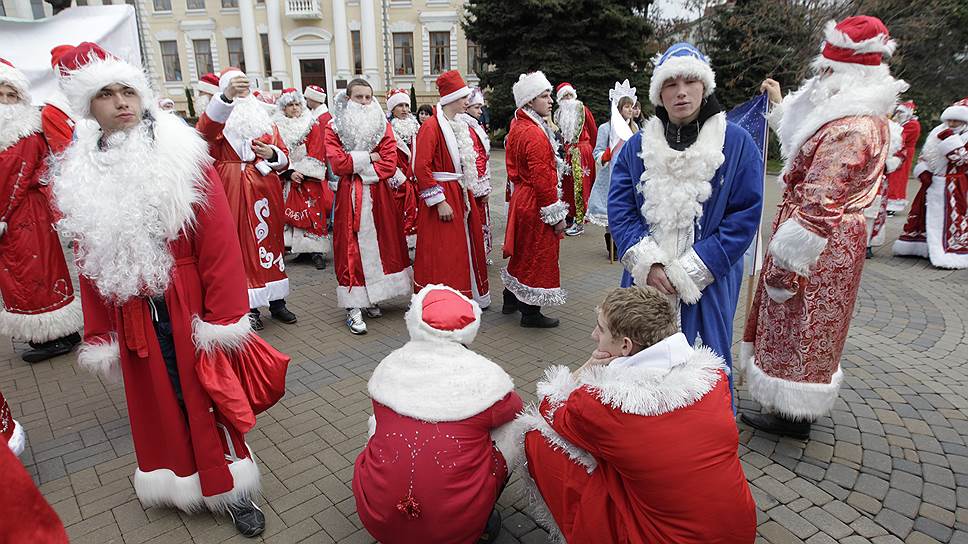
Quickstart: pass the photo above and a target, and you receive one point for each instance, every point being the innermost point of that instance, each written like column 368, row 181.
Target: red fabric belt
column 357, row 188
column 135, row 337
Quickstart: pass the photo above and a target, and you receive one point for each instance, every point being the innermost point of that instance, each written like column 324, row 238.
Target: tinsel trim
column 535, row 296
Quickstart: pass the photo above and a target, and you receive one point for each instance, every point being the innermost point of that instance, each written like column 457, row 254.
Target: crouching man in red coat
column 430, row 471
column 638, row 445
column 163, row 289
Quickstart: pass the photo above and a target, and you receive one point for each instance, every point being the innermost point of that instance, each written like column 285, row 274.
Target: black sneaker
column 256, row 321
column 74, row 338
column 319, row 261
column 493, row 528
column 778, row 425
column 510, row 303
column 248, row 518
column 47, row 350
column 538, row 321
column 282, row 314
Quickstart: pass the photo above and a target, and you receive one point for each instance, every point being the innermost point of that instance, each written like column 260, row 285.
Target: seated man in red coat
column 638, row 445
column 430, row 471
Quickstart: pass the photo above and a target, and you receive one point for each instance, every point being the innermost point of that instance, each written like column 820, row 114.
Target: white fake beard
column 116, row 211
column 201, row 104
column 16, row 121
column 567, row 118
column 468, row 155
column 249, row 119
column 360, row 127
column 405, row 129
column 293, row 129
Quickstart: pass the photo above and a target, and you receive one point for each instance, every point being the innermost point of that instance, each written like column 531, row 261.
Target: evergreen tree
column 589, row 43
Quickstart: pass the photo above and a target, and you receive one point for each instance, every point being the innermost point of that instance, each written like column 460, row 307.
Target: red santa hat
column 451, row 87
column 476, row 97
column 226, row 76
column 87, row 68
column 10, row 75
column 859, row 43
column 395, row 97
column 529, row 86
column 315, row 93
column 290, row 96
column 55, row 55
column 207, row 84
column 565, row 88
column 956, row 112
column 438, row 312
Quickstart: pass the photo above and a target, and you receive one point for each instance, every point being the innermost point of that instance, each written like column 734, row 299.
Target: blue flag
column 751, row 115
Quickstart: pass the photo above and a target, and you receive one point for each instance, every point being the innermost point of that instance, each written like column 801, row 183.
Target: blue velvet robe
column 728, row 224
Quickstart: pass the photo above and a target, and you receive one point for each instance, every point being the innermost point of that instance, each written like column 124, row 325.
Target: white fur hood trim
column 421, row 331
column 16, row 130
column 438, row 381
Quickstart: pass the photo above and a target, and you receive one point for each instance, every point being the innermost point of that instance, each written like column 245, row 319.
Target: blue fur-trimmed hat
column 681, row 59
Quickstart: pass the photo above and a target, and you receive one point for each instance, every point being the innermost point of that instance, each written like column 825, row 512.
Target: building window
column 403, row 53
column 203, row 56
column 37, row 6
column 162, row 5
column 357, row 52
column 169, row 58
column 3, row 10
column 196, row 4
column 236, row 56
column 475, row 60
column 266, row 59
column 439, row 52
column 230, row 3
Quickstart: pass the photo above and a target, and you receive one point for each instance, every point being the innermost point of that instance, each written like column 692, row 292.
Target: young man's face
column 8, row 95
column 953, row 124
column 401, row 111
column 475, row 110
column 116, row 107
column 682, row 97
column 361, row 94
column 311, row 104
column 616, row 347
column 542, row 104
column 293, row 110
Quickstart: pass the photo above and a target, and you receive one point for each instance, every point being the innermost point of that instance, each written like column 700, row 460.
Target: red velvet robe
column 897, row 181
column 530, row 241
column 449, row 253
column 405, row 192
column 58, row 128
column 369, row 249
column 25, row 516
column 38, row 296
column 584, row 163
column 308, row 204
column 482, row 193
column 257, row 207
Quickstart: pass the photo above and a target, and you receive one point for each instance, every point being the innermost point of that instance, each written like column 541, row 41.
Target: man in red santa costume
column 638, row 445
column 937, row 225
column 536, row 214
column 876, row 214
column 430, row 471
column 579, row 132
column 163, row 286
column 450, row 247
column 369, row 249
column 306, row 193
column 897, row 181
column 56, row 117
column 405, row 127
column 39, row 306
column 834, row 136
column 205, row 89
column 482, row 149
column 249, row 153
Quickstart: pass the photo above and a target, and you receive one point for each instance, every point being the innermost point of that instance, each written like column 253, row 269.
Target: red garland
column 409, row 506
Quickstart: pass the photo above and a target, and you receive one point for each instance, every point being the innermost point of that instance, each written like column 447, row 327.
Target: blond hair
column 642, row 314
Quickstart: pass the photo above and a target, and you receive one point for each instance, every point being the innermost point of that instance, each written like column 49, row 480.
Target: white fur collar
column 475, row 125
column 24, row 120
column 668, row 353
column 293, row 130
column 438, row 381
column 817, row 102
column 59, row 101
column 675, row 184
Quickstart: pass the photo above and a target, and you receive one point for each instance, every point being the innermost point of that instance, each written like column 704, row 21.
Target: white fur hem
column 795, row 248
column 897, row 205
column 905, row 248
column 303, row 241
column 274, row 290
column 231, row 336
column 390, row 286
column 746, row 351
column 796, row 400
column 103, row 359
column 934, row 221
column 162, row 487
column 310, row 167
column 42, row 327
column 535, row 296
column 891, row 164
column 18, row 440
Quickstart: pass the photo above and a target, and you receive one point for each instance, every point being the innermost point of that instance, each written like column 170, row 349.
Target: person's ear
column 627, row 346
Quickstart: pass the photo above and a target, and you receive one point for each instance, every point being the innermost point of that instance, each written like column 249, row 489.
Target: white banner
column 27, row 44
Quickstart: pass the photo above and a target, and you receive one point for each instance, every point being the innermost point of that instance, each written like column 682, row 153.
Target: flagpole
column 751, row 284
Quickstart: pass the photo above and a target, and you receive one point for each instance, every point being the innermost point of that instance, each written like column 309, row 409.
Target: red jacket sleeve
column 28, row 168
column 505, row 410
column 213, row 119
column 481, row 154
column 57, row 128
column 542, row 170
column 387, row 149
column 590, row 130
column 909, row 135
column 339, row 160
column 428, row 138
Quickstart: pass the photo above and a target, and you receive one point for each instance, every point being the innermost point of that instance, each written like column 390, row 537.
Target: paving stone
column 827, row 522
column 792, row 521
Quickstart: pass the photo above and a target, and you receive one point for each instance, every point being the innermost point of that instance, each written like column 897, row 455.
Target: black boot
column 319, row 261
column 74, row 338
column 610, row 248
column 47, row 350
column 510, row 303
column 779, row 425
column 248, row 518
column 532, row 318
column 493, row 528
column 870, row 253
column 279, row 312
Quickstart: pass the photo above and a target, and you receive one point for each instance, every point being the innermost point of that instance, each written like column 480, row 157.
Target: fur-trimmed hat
column 290, row 96
column 452, row 87
column 956, row 112
column 226, row 76
column 315, row 93
column 681, row 59
column 439, row 312
column 87, row 68
column 856, row 43
column 10, row 75
column 208, row 84
column 55, row 55
column 529, row 86
column 395, row 97
column 564, row 88
column 476, row 97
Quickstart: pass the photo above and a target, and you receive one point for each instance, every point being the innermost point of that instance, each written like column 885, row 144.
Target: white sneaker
column 575, row 230
column 374, row 311
column 354, row 320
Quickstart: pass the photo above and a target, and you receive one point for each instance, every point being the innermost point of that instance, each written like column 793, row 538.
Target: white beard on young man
column 359, row 127
column 17, row 121
column 293, row 129
column 405, row 129
column 248, row 120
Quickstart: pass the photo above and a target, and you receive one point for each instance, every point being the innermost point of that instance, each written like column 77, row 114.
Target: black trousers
column 162, row 324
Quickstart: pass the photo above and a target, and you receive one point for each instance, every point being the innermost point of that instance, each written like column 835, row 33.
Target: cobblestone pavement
column 889, row 465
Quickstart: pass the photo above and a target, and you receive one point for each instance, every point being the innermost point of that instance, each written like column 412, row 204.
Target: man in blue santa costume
column 685, row 199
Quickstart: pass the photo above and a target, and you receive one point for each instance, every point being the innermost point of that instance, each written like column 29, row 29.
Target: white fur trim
column 554, row 213
column 949, row 144
column 955, row 113
column 15, row 78
column 697, row 271
column 896, row 205
column 397, row 99
column 895, row 145
column 44, row 326
column 795, row 248
column 539, row 509
column 303, row 241
column 421, row 331
column 454, row 96
column 535, row 296
column 207, row 88
column 397, row 179
column 907, row 248
column 370, row 426
column 878, row 44
column 102, row 358
column 796, row 400
column 687, row 276
column 208, row 336
column 310, row 167
column 557, row 385
column 746, row 352
column 681, row 66
column 18, row 440
column 162, row 487
column 23, row 125
column 891, row 164
column 82, row 84
column 531, row 420
column 567, row 89
column 274, row 290
column 529, row 86
column 313, row 94
column 934, row 220
column 281, row 162
column 225, row 79
column 219, row 110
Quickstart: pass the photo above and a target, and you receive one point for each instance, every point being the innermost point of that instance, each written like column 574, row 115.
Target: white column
column 341, row 37
column 250, row 41
column 21, row 9
column 368, row 39
column 276, row 53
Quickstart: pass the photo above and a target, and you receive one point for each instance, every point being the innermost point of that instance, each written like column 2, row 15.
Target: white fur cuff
column 281, row 162
column 891, row 164
column 397, row 180
column 208, row 336
column 795, row 248
column 218, row 110
column 795, row 400
column 552, row 214
column 361, row 159
column 638, row 259
column 688, row 274
column 102, row 358
column 433, row 195
column 696, row 269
